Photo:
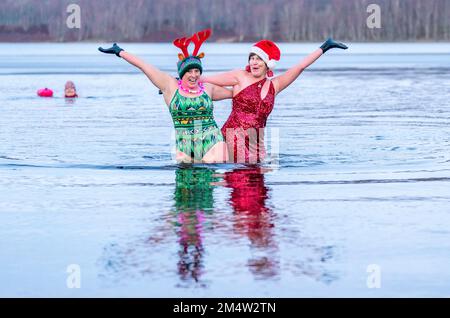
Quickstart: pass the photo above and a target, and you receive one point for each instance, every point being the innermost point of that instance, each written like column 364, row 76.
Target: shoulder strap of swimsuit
column 175, row 95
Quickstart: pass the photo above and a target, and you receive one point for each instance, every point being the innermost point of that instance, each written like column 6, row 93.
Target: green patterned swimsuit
column 196, row 131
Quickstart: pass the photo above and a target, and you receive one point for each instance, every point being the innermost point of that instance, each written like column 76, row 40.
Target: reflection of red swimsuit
column 249, row 111
column 249, row 191
column 248, row 198
column 254, row 219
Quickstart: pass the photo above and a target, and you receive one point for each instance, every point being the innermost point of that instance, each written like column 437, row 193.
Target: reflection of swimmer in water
column 189, row 218
column 253, row 218
column 256, row 220
column 192, row 218
column 193, row 203
column 70, row 90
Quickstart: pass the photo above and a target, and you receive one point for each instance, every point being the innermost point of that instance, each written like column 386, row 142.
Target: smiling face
column 70, row 90
column 190, row 78
column 258, row 67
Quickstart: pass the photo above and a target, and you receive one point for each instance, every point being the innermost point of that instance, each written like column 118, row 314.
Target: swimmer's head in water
column 70, row 89
column 188, row 61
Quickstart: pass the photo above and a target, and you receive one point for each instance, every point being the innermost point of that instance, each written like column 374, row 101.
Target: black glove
column 331, row 44
column 115, row 49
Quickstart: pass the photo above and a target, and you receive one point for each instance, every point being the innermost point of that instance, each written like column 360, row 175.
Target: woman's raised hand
column 332, row 44
column 115, row 49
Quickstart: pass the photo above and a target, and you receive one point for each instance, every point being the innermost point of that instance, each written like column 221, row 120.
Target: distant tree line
column 231, row 20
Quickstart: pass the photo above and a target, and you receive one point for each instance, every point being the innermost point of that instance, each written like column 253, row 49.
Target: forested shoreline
column 231, row 20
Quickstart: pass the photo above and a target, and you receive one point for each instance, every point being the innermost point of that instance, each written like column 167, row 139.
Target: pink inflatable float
column 45, row 92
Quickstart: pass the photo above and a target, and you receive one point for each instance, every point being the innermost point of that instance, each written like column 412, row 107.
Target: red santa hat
column 268, row 52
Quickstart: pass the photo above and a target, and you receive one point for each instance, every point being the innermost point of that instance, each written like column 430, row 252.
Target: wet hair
column 69, row 84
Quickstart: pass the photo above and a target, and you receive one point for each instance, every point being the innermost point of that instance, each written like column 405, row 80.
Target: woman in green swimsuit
column 198, row 138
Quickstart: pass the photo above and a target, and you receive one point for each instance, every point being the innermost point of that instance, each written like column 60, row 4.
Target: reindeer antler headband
column 189, row 61
column 197, row 38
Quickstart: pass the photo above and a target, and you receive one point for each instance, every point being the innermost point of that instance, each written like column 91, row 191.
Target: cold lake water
column 355, row 202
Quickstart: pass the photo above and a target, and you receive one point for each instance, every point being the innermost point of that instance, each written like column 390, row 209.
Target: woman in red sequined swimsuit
column 254, row 92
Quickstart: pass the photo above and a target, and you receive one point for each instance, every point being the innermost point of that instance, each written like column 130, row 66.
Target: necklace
column 191, row 91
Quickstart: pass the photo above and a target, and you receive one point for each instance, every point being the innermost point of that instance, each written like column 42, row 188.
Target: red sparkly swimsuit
column 247, row 122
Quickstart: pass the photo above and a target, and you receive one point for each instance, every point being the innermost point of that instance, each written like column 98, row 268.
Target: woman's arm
column 220, row 93
column 160, row 79
column 223, row 79
column 286, row 79
column 282, row 81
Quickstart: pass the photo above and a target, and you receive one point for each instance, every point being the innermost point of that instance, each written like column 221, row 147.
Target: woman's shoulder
column 241, row 73
column 237, row 73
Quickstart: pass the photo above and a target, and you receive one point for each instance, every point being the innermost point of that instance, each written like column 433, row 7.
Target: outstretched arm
column 286, row 79
column 223, row 79
column 282, row 81
column 158, row 78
